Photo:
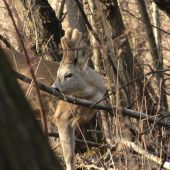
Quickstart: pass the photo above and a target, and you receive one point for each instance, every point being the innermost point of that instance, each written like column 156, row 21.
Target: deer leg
column 66, row 133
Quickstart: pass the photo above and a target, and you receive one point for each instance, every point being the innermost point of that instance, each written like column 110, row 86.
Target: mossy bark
column 41, row 26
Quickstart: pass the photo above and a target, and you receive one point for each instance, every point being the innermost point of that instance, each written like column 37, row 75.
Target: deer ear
column 83, row 54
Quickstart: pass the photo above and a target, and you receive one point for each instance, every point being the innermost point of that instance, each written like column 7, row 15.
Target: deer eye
column 68, row 75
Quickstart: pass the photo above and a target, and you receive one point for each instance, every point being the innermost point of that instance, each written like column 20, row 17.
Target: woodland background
column 129, row 43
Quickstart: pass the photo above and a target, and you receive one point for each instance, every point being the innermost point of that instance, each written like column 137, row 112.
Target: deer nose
column 55, row 88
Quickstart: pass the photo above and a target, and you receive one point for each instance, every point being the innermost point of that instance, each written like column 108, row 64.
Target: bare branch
column 60, row 14
column 86, row 103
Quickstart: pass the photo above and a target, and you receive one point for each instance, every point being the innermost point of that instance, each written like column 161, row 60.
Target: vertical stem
column 31, row 70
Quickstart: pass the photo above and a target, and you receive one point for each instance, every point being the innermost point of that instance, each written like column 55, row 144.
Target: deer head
column 73, row 76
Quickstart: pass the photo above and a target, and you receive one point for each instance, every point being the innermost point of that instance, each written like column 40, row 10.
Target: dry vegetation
column 118, row 148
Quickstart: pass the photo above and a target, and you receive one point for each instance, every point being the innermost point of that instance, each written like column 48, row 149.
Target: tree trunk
column 116, row 22
column 157, row 61
column 114, row 27
column 92, row 9
column 41, row 26
column 150, row 35
column 75, row 18
column 60, row 13
column 23, row 144
column 163, row 5
column 157, row 32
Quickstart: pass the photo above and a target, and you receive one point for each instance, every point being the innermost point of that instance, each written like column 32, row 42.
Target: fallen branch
column 79, row 141
column 144, row 153
column 86, row 103
column 127, row 143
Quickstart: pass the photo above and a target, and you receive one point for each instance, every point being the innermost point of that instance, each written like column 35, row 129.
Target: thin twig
column 130, row 82
column 31, row 70
column 61, row 9
column 145, row 22
column 6, row 42
column 101, row 161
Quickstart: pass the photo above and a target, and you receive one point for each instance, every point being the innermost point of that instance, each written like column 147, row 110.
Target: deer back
column 46, row 74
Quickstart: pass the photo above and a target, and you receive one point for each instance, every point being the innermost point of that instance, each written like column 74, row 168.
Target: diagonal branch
column 86, row 103
column 146, row 22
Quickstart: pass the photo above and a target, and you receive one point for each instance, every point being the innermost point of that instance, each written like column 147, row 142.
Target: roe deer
column 74, row 78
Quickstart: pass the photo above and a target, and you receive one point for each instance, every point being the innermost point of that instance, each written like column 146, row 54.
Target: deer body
column 46, row 74
column 76, row 79
column 73, row 115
